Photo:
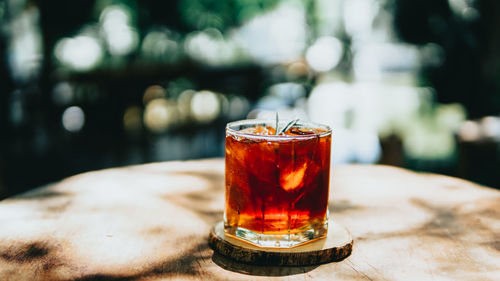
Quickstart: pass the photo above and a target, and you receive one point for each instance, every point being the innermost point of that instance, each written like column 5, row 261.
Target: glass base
column 287, row 240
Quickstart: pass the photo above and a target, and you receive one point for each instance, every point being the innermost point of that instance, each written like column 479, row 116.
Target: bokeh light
column 73, row 119
column 464, row 9
column 373, row 61
column 159, row 46
column 25, row 47
column 205, row 106
column 132, row 120
column 297, row 70
column 209, row 46
column 63, row 93
column 238, row 107
column 184, row 103
column 470, row 131
column 432, row 54
column 277, row 36
column 120, row 36
column 79, row 53
column 324, row 54
column 425, row 141
column 359, row 16
column 17, row 111
column 490, row 127
column 153, row 92
column 160, row 115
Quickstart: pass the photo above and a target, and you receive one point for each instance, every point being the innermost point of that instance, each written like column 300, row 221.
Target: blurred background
column 91, row 84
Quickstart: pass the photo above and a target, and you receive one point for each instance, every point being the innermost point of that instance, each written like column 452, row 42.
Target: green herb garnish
column 277, row 122
column 286, row 128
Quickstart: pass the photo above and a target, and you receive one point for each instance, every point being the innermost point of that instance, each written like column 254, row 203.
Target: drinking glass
column 277, row 184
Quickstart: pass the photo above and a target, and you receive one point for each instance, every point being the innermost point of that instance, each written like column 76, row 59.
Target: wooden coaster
column 335, row 247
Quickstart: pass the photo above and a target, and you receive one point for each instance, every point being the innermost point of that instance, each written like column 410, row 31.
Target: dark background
column 60, row 116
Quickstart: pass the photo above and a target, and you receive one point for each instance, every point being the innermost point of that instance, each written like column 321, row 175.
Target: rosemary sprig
column 286, row 128
column 277, row 122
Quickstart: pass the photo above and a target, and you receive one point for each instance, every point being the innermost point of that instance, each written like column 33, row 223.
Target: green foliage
column 201, row 14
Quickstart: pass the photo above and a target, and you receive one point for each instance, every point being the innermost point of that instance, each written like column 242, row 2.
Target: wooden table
column 150, row 222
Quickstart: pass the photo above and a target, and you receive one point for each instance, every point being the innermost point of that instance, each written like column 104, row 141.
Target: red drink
column 277, row 185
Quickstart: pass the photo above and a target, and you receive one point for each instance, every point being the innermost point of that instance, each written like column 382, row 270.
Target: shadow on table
column 259, row 270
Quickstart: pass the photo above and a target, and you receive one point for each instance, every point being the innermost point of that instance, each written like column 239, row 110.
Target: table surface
column 150, row 222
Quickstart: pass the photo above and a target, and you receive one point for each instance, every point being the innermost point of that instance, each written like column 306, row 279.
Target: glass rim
column 277, row 137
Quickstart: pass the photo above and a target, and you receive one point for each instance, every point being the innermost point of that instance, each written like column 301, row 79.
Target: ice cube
column 295, row 131
column 313, row 170
column 258, row 130
column 261, row 160
column 292, row 176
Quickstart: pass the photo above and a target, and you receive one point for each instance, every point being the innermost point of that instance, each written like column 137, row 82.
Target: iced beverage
column 277, row 185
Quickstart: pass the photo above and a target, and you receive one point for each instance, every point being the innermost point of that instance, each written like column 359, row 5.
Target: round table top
column 151, row 222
